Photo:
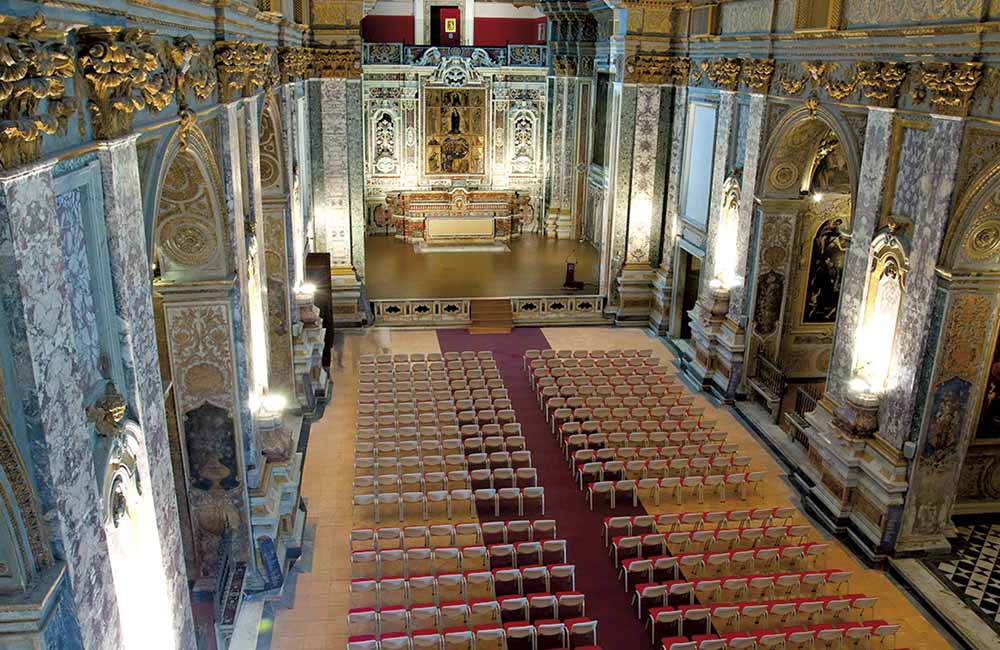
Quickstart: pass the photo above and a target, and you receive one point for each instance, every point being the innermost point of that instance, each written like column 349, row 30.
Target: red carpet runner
column 618, row 628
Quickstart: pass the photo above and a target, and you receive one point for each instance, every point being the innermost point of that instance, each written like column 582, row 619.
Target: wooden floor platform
column 534, row 266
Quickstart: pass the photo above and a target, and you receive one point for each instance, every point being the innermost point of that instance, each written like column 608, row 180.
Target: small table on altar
column 455, row 217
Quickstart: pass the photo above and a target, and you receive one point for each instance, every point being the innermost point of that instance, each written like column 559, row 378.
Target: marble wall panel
column 131, row 283
column 750, row 162
column 39, row 313
column 725, row 122
column 621, row 183
column 356, row 174
column 936, row 183
column 644, row 157
column 867, row 212
column 672, row 210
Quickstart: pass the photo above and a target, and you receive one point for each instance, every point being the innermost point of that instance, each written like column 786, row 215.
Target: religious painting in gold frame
column 454, row 131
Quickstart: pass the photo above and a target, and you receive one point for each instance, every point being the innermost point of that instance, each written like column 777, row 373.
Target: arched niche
column 795, row 151
column 24, row 547
column 189, row 234
column 727, row 236
column 272, row 163
column 883, row 300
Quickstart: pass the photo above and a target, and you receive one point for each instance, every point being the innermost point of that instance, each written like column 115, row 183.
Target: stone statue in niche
column 826, row 266
column 767, row 311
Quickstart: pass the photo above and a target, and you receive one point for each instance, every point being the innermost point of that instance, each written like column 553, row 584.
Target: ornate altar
column 458, row 216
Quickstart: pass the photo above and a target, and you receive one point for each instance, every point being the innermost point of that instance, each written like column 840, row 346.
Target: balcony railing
column 807, row 398
column 767, row 381
column 524, row 56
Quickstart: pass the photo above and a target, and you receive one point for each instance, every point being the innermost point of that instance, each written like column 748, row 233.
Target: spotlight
column 817, row 197
column 274, row 403
column 306, row 288
column 859, row 386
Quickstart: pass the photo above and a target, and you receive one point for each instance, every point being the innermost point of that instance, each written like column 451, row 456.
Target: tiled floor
column 974, row 572
column 318, row 618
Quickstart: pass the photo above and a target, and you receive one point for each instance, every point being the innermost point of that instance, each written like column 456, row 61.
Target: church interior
column 490, row 325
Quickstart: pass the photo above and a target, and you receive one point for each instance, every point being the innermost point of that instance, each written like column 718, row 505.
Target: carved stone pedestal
column 635, row 290
column 659, row 314
column 312, row 383
column 346, row 290
column 552, row 216
column 706, row 324
column 729, row 356
column 565, row 228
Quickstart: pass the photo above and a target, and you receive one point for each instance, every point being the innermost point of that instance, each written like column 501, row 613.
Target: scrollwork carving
column 33, row 63
column 193, row 70
column 124, row 75
column 564, row 66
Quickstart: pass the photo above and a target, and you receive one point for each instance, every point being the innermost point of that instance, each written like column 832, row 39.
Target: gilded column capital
column 336, row 63
column 293, row 62
column 34, row 62
column 244, row 68
column 880, row 81
column 951, row 85
column 724, row 73
column 757, row 74
column 124, row 76
column 564, row 65
column 195, row 70
column 656, row 69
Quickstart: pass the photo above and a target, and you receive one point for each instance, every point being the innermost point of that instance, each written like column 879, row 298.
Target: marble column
column 731, row 338
column 659, row 316
column 708, row 316
column 867, row 214
column 635, row 280
column 557, row 117
column 34, row 287
column 330, row 102
column 356, row 174
column 143, row 388
column 240, row 211
column 566, row 222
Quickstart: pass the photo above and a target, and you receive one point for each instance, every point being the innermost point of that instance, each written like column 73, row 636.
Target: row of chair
column 408, row 386
column 680, row 488
column 375, row 434
column 366, row 359
column 613, row 353
column 455, row 559
column 578, row 634
column 431, row 406
column 470, row 586
column 556, row 397
column 394, row 451
column 760, row 615
column 463, row 534
column 500, row 477
column 832, row 636
column 455, row 462
column 761, row 559
column 710, row 519
column 589, row 470
column 768, row 586
column 511, row 499
column 639, row 381
column 659, row 440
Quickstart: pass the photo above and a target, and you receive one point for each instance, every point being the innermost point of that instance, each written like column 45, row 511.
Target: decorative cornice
column 724, row 73
column 757, row 74
column 293, row 63
column 244, row 68
column 33, row 63
column 338, row 63
column 124, row 76
column 951, row 85
column 564, row 66
column 880, row 81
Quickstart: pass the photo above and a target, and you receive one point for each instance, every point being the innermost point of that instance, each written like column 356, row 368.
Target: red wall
column 387, row 29
column 504, row 31
column 449, row 39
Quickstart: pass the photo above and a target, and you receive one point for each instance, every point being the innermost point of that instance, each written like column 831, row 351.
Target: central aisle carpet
column 606, row 600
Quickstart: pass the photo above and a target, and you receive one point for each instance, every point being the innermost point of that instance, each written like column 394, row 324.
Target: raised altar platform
column 458, row 217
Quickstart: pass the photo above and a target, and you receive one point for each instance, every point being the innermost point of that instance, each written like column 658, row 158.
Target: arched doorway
column 802, row 231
